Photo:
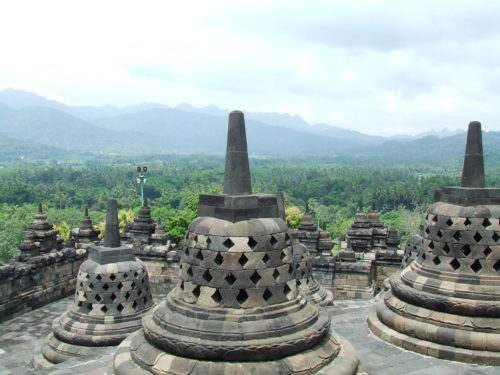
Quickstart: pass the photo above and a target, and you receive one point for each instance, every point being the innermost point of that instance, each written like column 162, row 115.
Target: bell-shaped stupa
column 236, row 308
column 446, row 303
column 112, row 295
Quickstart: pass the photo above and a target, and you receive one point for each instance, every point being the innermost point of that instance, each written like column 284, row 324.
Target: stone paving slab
column 19, row 337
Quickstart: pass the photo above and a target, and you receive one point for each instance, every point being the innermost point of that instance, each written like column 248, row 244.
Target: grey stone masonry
column 87, row 233
column 112, row 295
column 446, row 302
column 236, row 308
column 39, row 238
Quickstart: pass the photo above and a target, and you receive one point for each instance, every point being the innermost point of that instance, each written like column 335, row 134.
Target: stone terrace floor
column 20, row 336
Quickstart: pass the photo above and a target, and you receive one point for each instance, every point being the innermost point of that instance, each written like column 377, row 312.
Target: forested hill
column 34, row 127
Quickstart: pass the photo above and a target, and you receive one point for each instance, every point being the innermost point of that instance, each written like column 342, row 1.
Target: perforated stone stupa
column 112, row 295
column 446, row 303
column 306, row 282
column 236, row 308
column 141, row 229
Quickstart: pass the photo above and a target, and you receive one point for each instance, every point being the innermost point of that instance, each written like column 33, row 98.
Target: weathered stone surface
column 86, row 234
column 112, row 295
column 445, row 303
column 236, row 307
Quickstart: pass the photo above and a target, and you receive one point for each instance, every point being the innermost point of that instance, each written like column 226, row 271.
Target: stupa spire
column 112, row 234
column 237, row 174
column 473, row 171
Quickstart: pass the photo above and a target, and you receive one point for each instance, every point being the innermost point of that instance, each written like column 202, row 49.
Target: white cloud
column 381, row 67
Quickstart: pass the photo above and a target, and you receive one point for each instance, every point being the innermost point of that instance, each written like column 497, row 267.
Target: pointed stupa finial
column 473, row 172
column 237, row 174
column 145, row 202
column 112, row 234
column 86, row 212
column 307, row 208
column 40, row 208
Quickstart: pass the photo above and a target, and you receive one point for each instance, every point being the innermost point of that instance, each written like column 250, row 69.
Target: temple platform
column 20, row 336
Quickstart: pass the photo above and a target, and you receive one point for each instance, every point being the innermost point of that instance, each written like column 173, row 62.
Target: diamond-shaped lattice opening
column 273, row 241
column 299, row 283
column 242, row 296
column 91, row 286
column 436, row 260
column 105, row 286
column 449, row 222
column 477, row 237
column 455, row 264
column 467, row 222
column 113, row 296
column 286, row 289
column 104, row 309
column 251, row 242
column 132, row 285
column 120, row 307
column 487, row 251
column 112, row 277
column 143, row 281
column 139, row 292
column 427, row 217
column 199, row 255
column 145, row 299
column 81, row 284
column 283, row 255
column 228, row 243
column 89, row 307
column 495, row 237
column 287, row 236
column 276, row 274
column 435, row 218
column 217, row 296
column 243, row 260
column 196, row 291
column 427, row 230
column 424, row 256
column 80, row 303
column 466, row 250
column 230, row 278
column 127, row 296
column 496, row 266
column 486, row 223
column 431, row 245
column 189, row 271
column 136, row 274
column 218, row 259
column 476, row 266
column 439, row 234
column 255, row 277
column 267, row 295
column 98, row 277
column 207, row 276
column 209, row 241
column 119, row 286
column 187, row 251
column 265, row 258
column 457, row 235
column 290, row 269
column 134, row 305
column 446, row 248
column 87, row 276
column 125, row 275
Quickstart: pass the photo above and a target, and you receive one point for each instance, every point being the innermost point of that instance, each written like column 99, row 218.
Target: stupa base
column 135, row 355
column 426, row 347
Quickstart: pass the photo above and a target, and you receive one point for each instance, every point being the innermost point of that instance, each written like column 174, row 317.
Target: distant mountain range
column 29, row 122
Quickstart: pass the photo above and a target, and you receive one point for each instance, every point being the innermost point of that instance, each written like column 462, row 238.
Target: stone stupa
column 87, row 233
column 446, row 303
column 236, row 308
column 112, row 295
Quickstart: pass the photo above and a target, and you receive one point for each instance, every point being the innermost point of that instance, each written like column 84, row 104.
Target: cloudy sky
column 380, row 67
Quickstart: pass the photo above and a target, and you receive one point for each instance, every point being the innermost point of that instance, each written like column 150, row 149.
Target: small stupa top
column 40, row 222
column 237, row 202
column 361, row 218
column 86, row 222
column 374, row 219
column 307, row 223
column 111, row 251
column 143, row 223
column 473, row 191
